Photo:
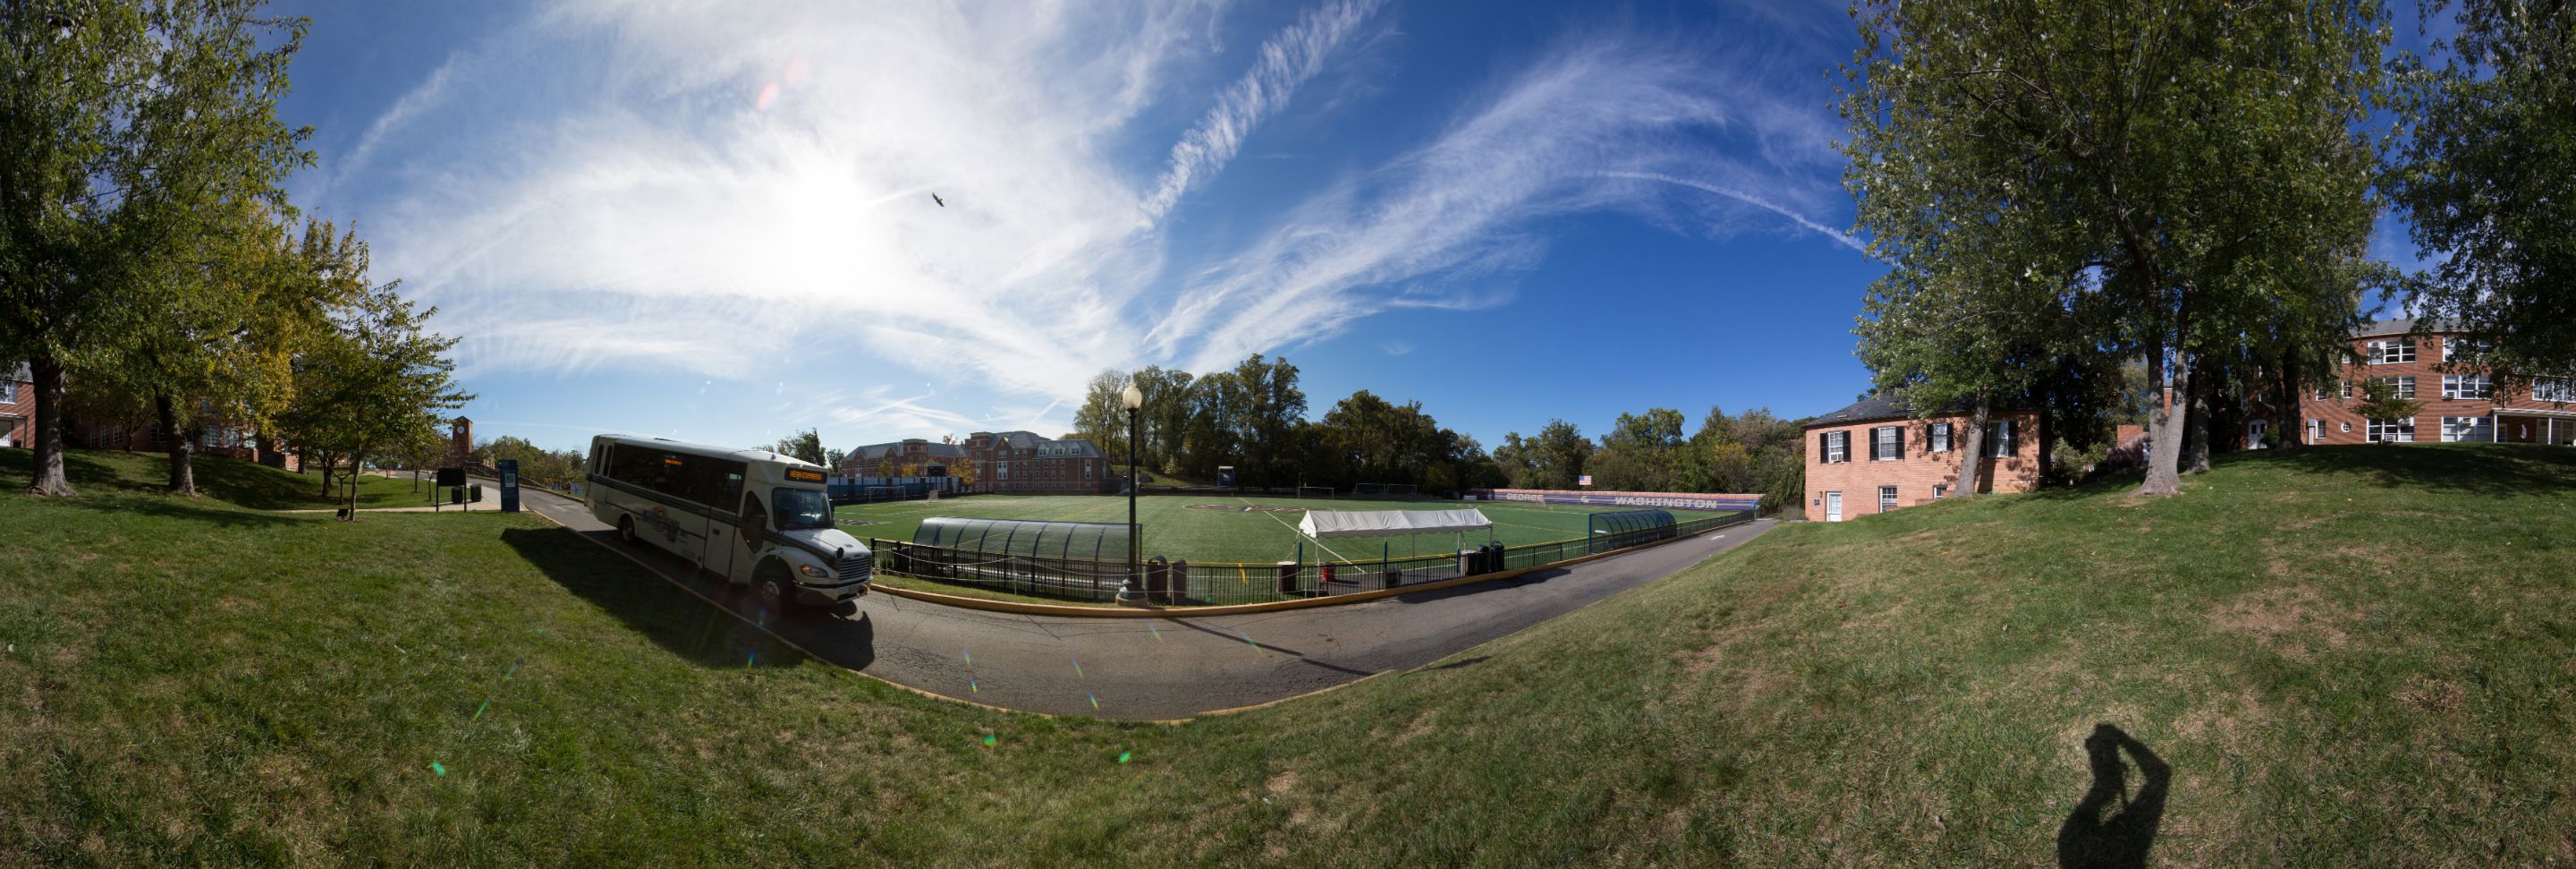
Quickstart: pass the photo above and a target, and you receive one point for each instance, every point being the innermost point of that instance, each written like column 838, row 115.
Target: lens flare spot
column 768, row 97
column 1122, row 756
column 440, row 770
column 988, row 739
column 1077, row 667
column 1095, row 700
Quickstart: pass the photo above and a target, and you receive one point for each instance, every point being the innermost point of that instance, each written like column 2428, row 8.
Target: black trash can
column 1180, row 583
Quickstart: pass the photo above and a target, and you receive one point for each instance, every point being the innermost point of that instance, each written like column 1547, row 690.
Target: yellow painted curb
column 1149, row 612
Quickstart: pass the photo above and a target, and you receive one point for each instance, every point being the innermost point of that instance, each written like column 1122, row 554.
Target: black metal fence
column 1182, row 583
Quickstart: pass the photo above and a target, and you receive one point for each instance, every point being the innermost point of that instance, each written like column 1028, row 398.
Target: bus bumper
column 829, row 595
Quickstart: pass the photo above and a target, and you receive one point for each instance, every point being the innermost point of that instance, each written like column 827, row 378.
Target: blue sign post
column 509, row 485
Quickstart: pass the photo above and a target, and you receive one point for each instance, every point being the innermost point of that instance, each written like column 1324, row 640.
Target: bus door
column 725, row 554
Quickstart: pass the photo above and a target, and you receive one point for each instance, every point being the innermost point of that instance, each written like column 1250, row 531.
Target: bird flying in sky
column 942, row 202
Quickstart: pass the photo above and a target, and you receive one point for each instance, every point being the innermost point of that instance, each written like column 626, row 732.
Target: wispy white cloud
column 1287, row 60
column 743, row 193
column 1438, row 226
column 1754, row 200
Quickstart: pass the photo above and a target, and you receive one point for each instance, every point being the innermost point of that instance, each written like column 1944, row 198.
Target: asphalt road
column 1167, row 668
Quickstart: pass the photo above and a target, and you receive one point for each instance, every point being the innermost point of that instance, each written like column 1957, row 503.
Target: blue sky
column 713, row 221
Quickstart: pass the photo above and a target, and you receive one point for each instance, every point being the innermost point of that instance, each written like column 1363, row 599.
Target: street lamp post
column 1133, row 398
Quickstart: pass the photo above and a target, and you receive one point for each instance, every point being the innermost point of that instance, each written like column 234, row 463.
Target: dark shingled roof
column 1883, row 406
column 2401, row 326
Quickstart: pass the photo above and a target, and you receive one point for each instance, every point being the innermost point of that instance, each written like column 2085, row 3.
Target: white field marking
column 1274, row 517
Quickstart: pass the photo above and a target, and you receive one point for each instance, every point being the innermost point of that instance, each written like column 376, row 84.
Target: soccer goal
column 1368, row 488
column 1314, row 491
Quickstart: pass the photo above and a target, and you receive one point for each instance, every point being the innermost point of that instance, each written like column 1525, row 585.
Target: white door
column 1833, row 506
column 2254, row 432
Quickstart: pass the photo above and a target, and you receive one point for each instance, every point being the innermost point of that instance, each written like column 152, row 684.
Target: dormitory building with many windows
column 1873, row 457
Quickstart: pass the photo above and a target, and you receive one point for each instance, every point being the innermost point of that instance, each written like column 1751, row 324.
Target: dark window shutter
column 1824, row 447
column 1900, row 443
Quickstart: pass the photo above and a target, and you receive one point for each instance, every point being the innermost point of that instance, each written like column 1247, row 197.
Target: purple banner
column 1640, row 500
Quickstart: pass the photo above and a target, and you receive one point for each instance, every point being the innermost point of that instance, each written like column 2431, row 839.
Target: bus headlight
column 812, row 571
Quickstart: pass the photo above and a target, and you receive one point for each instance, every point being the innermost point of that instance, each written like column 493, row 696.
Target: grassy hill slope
column 2345, row 657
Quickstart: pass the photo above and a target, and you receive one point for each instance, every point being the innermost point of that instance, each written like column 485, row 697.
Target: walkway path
column 1176, row 667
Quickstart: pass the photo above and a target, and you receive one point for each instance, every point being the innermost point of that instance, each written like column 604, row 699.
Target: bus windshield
column 792, row 509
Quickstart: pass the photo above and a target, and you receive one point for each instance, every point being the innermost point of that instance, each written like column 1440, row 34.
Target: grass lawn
column 1219, row 528
column 247, row 484
column 2343, row 657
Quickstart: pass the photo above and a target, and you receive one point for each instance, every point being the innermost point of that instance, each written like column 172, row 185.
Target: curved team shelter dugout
column 1350, row 530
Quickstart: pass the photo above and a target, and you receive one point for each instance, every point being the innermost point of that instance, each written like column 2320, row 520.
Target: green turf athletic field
column 1210, row 528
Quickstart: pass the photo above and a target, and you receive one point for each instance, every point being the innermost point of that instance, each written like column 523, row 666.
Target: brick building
column 17, row 408
column 913, row 457
column 2460, row 399
column 224, row 440
column 1872, row 457
column 1020, row 461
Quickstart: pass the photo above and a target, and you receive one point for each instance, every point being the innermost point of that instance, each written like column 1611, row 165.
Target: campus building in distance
column 213, row 438
column 1010, row 461
column 2461, row 400
column 1871, row 457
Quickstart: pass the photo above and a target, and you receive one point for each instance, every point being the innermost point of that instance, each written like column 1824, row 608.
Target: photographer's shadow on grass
column 713, row 635
column 2110, row 828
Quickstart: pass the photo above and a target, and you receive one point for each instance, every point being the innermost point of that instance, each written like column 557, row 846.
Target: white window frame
column 2456, row 429
column 9, row 392
column 2560, row 389
column 2384, row 351
column 1886, row 499
column 1940, row 491
column 2316, row 430
column 1886, row 443
column 2000, row 439
column 2457, row 387
column 1939, row 438
column 2451, row 348
column 2405, row 384
column 2394, row 431
column 1837, row 447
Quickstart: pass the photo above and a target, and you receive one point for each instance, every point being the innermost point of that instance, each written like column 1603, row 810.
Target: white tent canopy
column 1321, row 524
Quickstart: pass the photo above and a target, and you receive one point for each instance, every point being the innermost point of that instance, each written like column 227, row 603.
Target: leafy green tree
column 2488, row 178
column 805, row 446
column 376, row 381
column 2381, row 403
column 1639, row 453
column 1102, row 418
column 2138, row 179
column 123, row 122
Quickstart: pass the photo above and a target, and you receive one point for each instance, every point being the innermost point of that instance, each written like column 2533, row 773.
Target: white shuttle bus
column 754, row 517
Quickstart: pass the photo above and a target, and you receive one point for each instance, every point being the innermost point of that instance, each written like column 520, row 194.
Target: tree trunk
column 355, row 476
column 2289, row 429
column 2195, row 441
column 1972, row 448
column 183, row 471
column 327, row 460
column 49, row 479
column 2164, row 426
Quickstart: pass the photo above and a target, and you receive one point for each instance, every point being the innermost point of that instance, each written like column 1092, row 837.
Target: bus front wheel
column 626, row 529
column 768, row 595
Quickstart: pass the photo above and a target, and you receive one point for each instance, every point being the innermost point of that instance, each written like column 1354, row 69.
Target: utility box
column 1288, row 577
